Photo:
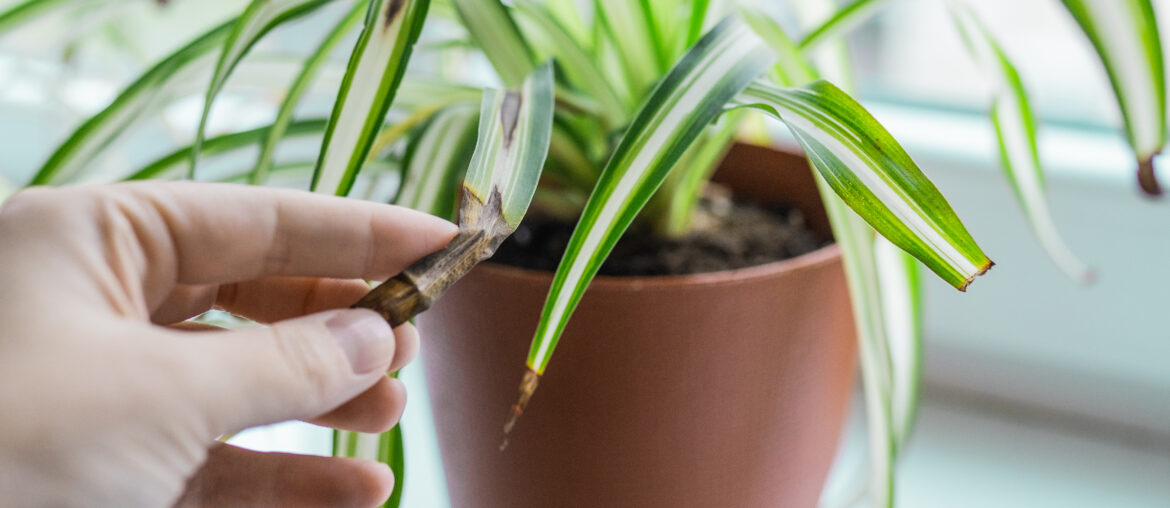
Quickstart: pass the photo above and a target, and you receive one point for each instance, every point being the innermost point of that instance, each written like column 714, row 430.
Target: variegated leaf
column 375, row 69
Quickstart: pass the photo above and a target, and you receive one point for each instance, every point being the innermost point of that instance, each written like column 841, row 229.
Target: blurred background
column 1038, row 391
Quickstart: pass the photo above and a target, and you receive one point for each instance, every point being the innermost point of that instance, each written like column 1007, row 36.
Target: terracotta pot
column 724, row 389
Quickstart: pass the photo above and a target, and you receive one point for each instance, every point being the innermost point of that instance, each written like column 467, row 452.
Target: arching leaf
column 1015, row 128
column 371, row 80
column 685, row 101
column 437, row 159
column 258, row 19
column 1125, row 34
column 300, row 86
column 873, row 174
column 99, row 130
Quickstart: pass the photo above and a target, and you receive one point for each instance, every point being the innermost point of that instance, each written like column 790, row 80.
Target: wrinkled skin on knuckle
column 24, row 199
column 49, row 239
column 42, row 208
column 121, row 246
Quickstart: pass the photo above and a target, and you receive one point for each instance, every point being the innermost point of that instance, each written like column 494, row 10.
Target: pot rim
column 825, row 255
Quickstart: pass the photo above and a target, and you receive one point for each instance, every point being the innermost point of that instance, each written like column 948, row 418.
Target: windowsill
column 967, row 452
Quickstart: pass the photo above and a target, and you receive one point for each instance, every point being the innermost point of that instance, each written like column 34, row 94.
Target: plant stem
column 414, row 290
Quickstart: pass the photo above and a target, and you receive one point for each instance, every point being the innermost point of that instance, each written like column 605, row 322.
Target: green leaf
column 792, row 67
column 695, row 20
column 572, row 164
column 510, row 152
column 568, row 15
column 631, row 27
column 901, row 305
column 375, row 69
column 392, row 452
column 580, row 67
column 1015, row 128
column 287, row 174
column 21, row 13
column 680, row 194
column 415, row 94
column 831, row 56
column 494, row 30
column 300, row 86
column 873, row 174
column 514, row 132
column 841, row 23
column 856, row 240
column 170, row 165
column 1125, row 35
column 400, row 129
column 258, row 19
column 662, row 28
column 876, row 311
column 685, row 101
column 436, row 160
column 387, row 448
column 99, row 130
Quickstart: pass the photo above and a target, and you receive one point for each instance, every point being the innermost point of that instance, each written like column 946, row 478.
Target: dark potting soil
column 726, row 235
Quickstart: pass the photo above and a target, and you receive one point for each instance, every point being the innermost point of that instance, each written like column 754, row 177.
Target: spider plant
column 645, row 98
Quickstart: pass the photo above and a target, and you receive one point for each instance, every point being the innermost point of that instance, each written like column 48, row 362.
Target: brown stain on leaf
column 510, row 115
column 392, row 10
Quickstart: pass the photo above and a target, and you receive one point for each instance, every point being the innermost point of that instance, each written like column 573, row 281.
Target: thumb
column 295, row 369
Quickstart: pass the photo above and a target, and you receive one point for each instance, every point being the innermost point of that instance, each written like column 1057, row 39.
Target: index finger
column 204, row 233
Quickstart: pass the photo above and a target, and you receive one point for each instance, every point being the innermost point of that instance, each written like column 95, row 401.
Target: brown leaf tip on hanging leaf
column 1147, row 180
column 981, row 271
column 482, row 229
column 527, row 387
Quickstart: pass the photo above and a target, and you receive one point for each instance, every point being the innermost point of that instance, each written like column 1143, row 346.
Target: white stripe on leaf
column 514, row 132
column 369, row 85
column 720, row 64
column 258, row 19
column 908, row 209
column 1016, row 134
column 435, row 157
column 1125, row 35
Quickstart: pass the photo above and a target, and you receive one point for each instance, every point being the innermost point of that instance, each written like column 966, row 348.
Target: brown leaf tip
column 1147, row 178
column 527, row 387
column 1089, row 277
column 981, row 271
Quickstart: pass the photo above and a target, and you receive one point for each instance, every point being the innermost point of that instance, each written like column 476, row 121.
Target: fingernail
column 365, row 337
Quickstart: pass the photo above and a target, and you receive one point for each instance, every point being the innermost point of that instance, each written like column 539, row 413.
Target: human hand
column 104, row 401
